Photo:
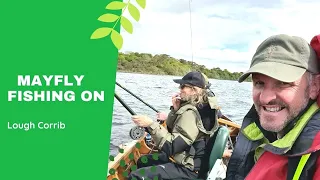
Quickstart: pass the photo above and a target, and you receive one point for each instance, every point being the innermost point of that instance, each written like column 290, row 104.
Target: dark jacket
column 258, row 154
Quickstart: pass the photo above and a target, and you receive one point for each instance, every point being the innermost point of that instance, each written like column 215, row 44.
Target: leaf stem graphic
column 121, row 14
column 116, row 37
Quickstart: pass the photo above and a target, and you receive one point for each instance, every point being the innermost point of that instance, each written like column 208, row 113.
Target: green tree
column 163, row 64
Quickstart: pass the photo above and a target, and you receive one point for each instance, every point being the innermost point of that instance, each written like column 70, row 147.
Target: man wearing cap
column 280, row 135
column 182, row 144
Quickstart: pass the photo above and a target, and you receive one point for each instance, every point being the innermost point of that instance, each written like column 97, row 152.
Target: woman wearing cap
column 184, row 139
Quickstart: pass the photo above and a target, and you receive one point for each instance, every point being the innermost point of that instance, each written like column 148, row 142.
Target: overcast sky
column 225, row 33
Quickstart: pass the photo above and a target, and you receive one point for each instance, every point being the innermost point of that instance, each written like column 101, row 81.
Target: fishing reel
column 136, row 132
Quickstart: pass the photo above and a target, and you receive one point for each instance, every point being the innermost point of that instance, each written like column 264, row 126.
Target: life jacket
column 255, row 145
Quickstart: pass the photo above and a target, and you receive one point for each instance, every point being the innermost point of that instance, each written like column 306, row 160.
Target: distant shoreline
column 167, row 75
column 144, row 63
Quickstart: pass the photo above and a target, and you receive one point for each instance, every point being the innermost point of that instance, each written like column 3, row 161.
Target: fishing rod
column 137, row 97
column 124, row 104
column 190, row 13
column 136, row 132
column 160, row 121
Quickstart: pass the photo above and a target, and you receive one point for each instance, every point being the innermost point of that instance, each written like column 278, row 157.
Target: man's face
column 276, row 102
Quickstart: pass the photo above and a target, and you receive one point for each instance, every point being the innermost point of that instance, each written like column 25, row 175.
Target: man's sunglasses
column 185, row 85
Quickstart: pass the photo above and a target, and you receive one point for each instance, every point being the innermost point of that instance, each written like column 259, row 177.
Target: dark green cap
column 282, row 57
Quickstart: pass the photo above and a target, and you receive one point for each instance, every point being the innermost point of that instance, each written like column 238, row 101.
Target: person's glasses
column 184, row 85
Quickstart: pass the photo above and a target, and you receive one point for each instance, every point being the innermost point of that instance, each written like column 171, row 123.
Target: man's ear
column 315, row 87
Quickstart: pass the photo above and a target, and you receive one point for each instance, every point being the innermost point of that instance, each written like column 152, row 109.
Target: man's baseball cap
column 283, row 57
column 194, row 78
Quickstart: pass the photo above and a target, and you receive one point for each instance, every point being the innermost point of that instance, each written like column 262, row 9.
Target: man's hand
column 176, row 101
column 162, row 116
column 142, row 120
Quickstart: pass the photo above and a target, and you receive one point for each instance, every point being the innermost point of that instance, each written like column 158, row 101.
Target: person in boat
column 280, row 135
column 182, row 144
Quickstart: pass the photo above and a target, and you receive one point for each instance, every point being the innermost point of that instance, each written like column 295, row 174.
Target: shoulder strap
column 302, row 167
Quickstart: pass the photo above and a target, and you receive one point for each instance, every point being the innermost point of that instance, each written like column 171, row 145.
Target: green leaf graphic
column 126, row 24
column 142, row 3
column 116, row 39
column 134, row 12
column 115, row 5
column 108, row 18
column 100, row 33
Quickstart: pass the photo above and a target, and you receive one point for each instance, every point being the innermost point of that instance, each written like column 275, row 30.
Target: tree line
column 163, row 64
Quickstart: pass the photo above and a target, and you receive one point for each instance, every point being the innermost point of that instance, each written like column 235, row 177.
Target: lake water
column 234, row 99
